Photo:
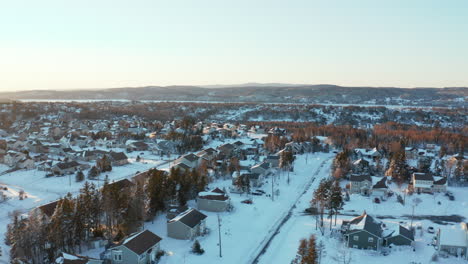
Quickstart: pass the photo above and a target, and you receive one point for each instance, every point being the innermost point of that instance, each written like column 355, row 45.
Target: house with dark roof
column 380, row 189
column 191, row 160
column 69, row 167
column 208, row 154
column 426, row 183
column 46, row 210
column 118, row 158
column 137, row 146
column 138, row 248
column 187, row 225
column 363, row 232
column 401, row 236
column 215, row 200
column 273, row 160
column 361, row 183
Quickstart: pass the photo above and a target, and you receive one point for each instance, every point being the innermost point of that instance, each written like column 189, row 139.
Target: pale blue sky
column 62, row 44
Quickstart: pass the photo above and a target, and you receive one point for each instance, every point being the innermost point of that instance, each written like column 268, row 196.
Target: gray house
column 400, row 237
column 187, row 225
column 215, row 200
column 363, row 232
column 139, row 248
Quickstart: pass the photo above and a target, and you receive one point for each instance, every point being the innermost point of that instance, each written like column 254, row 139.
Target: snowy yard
column 284, row 247
column 244, row 229
column 41, row 190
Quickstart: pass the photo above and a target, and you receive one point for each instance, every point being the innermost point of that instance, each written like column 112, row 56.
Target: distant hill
column 273, row 93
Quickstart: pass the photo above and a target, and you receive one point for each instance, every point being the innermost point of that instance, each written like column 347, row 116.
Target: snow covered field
column 245, row 229
column 41, row 190
column 284, row 247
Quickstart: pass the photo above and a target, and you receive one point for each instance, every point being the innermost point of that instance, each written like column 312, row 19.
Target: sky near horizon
column 60, row 44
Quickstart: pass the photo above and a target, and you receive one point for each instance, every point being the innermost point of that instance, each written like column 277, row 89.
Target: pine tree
column 79, row 176
column 307, row 252
column 197, row 249
column 336, row 200
column 156, row 192
column 93, row 173
column 398, row 168
column 321, row 199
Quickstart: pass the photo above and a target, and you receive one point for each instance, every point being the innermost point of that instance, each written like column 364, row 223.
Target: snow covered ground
column 41, row 190
column 284, row 247
column 245, row 229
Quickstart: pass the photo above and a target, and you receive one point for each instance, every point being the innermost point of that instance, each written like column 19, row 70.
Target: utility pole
column 219, row 234
column 272, row 187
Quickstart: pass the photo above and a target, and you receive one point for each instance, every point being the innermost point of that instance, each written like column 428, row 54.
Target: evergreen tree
column 398, row 168
column 156, row 192
column 321, row 199
column 197, row 249
column 336, row 200
column 79, row 176
column 93, row 173
column 307, row 252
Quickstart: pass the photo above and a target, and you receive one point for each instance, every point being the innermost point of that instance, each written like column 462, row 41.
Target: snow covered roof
column 454, row 236
column 365, row 222
column 215, row 194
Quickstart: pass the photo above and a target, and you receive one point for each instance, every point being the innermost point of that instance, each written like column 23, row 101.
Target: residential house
column 191, row 160
column 453, row 241
column 363, row 232
column 187, row 225
column 360, row 184
column 208, row 154
column 139, row 248
column 273, row 160
column 294, row 147
column 262, row 169
column 426, row 183
column 46, row 210
column 69, row 167
column 26, row 163
column 400, row 236
column 137, row 146
column 361, row 166
column 227, row 150
column 118, row 158
column 380, row 189
column 372, row 154
column 215, row 200
column 13, row 157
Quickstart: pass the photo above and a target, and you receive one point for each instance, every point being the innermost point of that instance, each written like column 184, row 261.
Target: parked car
column 248, row 201
column 451, row 197
column 431, row 230
column 376, row 200
column 257, row 193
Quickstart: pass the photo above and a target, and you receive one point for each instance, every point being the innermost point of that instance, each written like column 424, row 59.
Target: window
column 370, row 240
column 356, row 238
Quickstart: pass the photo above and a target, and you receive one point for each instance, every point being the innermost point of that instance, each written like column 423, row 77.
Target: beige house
column 187, row 225
column 425, row 183
column 139, row 248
